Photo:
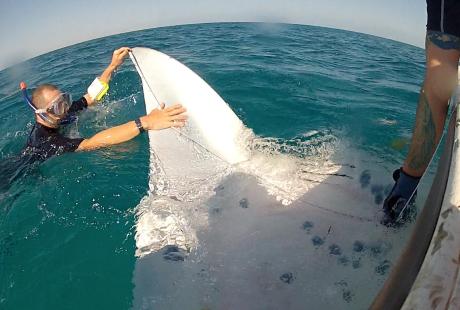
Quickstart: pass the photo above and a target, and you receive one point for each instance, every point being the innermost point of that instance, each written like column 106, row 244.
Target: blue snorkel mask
column 59, row 107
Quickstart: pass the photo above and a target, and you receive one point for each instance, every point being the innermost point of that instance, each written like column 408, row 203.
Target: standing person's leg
column 440, row 82
column 442, row 56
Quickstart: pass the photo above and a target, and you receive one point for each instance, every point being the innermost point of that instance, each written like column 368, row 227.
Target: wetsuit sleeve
column 78, row 105
column 64, row 144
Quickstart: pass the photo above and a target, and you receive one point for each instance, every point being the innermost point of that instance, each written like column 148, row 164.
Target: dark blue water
column 66, row 225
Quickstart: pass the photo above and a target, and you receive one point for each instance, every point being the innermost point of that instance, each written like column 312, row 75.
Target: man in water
column 442, row 47
column 52, row 106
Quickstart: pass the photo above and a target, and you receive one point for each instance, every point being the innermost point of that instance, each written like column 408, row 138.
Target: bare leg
column 440, row 81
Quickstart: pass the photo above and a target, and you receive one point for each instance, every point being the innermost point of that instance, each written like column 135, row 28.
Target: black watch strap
column 139, row 125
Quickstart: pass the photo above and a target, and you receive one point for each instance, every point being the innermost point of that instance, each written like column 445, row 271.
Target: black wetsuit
column 444, row 16
column 45, row 142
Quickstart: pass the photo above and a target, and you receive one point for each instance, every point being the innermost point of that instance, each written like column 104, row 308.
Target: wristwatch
column 139, row 125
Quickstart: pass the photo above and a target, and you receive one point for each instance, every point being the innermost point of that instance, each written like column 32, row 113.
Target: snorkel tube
column 67, row 120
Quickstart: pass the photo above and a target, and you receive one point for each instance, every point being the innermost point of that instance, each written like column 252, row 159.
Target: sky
column 29, row 28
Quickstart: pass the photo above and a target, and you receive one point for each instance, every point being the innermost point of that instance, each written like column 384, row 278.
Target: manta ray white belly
column 245, row 248
column 211, row 123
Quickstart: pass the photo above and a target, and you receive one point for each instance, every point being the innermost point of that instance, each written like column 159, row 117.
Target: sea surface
column 68, row 225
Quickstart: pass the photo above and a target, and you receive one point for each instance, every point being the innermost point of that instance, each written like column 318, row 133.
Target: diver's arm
column 111, row 136
column 157, row 119
column 118, row 58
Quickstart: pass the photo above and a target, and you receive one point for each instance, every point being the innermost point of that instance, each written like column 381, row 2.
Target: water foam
column 287, row 169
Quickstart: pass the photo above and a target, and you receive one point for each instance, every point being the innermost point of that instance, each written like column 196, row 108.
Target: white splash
column 386, row 121
column 287, row 169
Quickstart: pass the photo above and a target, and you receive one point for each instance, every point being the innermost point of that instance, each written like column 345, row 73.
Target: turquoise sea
column 67, row 225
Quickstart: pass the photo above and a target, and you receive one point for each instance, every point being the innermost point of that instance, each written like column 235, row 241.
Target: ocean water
column 68, row 226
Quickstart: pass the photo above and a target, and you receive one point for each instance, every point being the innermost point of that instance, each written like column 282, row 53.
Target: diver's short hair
column 37, row 95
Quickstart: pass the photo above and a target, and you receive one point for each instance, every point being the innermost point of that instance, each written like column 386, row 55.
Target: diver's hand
column 119, row 56
column 162, row 118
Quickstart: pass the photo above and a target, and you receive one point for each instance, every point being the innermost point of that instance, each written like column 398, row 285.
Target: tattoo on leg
column 443, row 40
column 424, row 136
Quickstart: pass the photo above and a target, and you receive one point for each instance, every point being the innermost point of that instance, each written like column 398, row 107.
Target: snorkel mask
column 58, row 107
column 56, row 111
